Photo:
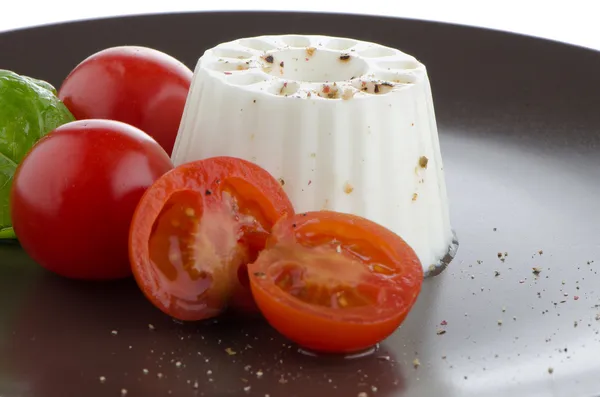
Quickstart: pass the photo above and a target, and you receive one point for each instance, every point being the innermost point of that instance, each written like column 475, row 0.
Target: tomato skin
column 140, row 86
column 75, row 192
column 194, row 231
column 340, row 242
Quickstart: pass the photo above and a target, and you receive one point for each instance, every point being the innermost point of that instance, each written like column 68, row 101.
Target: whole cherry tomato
column 136, row 85
column 75, row 192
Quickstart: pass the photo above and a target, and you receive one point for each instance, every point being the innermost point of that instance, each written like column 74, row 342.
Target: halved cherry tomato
column 334, row 282
column 195, row 230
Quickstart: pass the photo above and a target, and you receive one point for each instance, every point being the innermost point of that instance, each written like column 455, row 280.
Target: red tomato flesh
column 197, row 228
column 75, row 192
column 136, row 85
column 334, row 282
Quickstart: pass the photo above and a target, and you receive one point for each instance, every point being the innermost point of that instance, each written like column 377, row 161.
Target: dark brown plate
column 519, row 122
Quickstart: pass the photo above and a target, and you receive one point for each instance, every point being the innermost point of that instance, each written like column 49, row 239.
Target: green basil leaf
column 29, row 109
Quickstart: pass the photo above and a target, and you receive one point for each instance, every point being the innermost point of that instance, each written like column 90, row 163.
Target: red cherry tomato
column 75, row 192
column 334, row 282
column 197, row 228
column 136, row 85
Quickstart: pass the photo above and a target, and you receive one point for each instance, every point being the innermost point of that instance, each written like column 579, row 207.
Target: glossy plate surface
column 520, row 133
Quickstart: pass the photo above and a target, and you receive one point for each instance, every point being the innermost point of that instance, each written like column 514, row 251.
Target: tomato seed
column 342, row 301
column 190, row 212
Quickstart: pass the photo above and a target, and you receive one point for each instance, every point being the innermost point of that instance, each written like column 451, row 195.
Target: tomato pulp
column 137, row 85
column 75, row 192
column 334, row 282
column 197, row 228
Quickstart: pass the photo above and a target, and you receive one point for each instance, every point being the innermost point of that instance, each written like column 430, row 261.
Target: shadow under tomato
column 60, row 336
column 53, row 327
column 249, row 353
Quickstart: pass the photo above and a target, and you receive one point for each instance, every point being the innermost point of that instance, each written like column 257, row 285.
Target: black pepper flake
column 294, row 225
column 208, row 192
column 281, row 63
column 269, row 58
column 281, row 181
column 376, row 89
column 344, row 57
column 304, row 214
column 217, row 181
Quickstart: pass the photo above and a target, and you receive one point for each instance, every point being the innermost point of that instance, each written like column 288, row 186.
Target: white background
column 572, row 21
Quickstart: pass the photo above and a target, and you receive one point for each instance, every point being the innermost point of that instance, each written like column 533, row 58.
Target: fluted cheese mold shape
column 346, row 125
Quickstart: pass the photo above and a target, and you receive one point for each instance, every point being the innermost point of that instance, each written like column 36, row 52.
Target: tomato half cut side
column 334, row 282
column 195, row 230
